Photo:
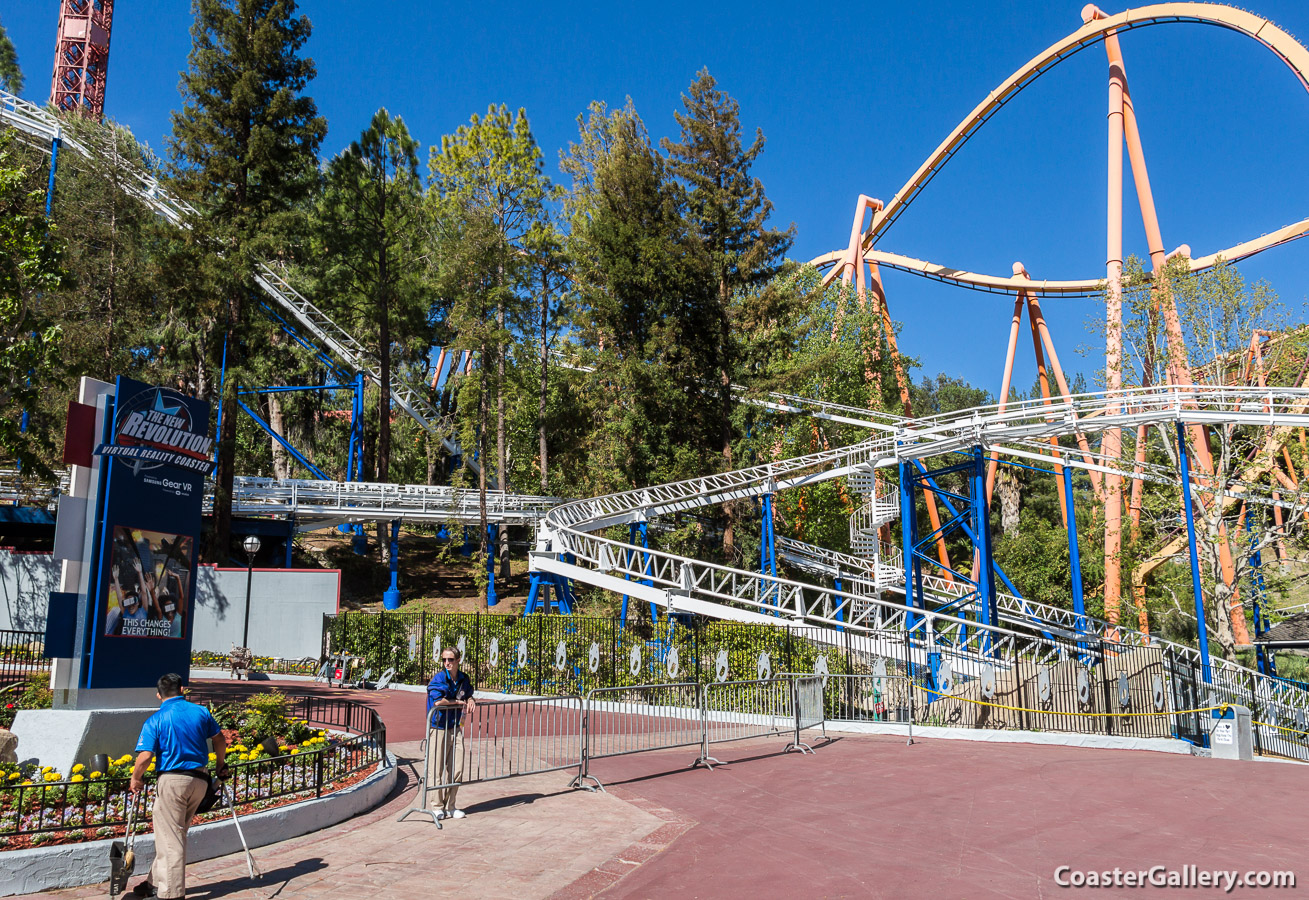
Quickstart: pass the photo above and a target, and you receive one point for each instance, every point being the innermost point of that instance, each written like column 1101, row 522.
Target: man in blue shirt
column 449, row 696
column 178, row 736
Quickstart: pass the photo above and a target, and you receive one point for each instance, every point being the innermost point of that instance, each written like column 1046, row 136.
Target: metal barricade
column 502, row 739
column 738, row 710
column 623, row 720
column 807, row 691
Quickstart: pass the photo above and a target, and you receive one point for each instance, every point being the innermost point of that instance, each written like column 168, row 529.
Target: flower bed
column 208, row 659
column 41, row 806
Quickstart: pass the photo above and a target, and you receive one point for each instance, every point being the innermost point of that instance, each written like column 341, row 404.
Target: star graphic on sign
column 159, row 406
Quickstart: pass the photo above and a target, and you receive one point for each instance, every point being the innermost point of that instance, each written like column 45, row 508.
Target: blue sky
column 851, row 100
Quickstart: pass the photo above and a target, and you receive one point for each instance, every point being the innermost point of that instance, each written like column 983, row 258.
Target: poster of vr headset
column 154, row 458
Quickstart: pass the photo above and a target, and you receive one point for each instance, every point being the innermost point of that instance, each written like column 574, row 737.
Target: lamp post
column 251, row 545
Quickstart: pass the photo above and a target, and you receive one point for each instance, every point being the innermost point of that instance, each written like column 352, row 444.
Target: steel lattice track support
column 968, row 513
column 82, row 57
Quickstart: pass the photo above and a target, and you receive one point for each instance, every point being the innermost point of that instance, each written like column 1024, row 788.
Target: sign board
column 1223, row 732
column 155, row 454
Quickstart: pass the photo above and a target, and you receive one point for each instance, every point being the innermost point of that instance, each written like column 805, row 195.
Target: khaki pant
column 176, row 799
column 445, row 764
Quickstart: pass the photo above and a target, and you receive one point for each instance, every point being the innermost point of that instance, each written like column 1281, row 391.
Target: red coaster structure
column 82, row 56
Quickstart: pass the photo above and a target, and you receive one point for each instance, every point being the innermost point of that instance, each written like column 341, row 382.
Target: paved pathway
column 523, row 838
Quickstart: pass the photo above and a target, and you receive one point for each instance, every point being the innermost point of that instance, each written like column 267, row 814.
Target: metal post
column 391, row 597
column 1202, row 629
column 492, row 534
column 767, row 555
column 1265, row 661
column 631, row 540
column 982, row 537
column 249, row 576
column 354, row 466
column 55, row 143
column 1074, row 554
column 907, row 537
column 909, row 669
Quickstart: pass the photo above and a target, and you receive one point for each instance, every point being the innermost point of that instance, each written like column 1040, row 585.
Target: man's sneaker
column 456, row 814
column 439, row 813
column 144, row 889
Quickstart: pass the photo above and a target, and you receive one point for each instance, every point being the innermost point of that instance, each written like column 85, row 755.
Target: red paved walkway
column 866, row 816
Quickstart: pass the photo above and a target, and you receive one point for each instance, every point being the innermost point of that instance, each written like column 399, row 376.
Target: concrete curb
column 1053, row 738
column 73, row 865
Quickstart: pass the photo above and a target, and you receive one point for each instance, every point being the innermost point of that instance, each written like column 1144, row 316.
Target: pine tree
column 29, row 265
column 244, row 147
column 11, row 77
column 730, row 212
column 644, row 307
column 368, row 223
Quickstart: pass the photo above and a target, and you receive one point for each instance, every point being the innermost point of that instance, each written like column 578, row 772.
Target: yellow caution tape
column 1056, row 712
column 1281, row 727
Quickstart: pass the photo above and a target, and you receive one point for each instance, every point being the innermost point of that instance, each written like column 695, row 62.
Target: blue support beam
column 1265, row 659
column 296, row 454
column 1202, row 636
column 391, row 597
column 908, row 530
column 640, row 530
column 492, row 536
column 1074, row 553
column 55, row 143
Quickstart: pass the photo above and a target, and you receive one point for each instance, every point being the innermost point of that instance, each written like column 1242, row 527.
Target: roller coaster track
column 1283, row 45
column 41, row 123
column 684, row 584
column 317, row 504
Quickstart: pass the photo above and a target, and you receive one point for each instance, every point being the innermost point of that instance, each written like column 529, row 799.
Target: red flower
column 9, row 706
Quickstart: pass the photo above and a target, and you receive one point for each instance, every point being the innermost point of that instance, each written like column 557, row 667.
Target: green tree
column 368, row 222
column 11, row 77
column 729, row 212
column 29, row 341
column 489, row 173
column 244, row 147
column 644, row 307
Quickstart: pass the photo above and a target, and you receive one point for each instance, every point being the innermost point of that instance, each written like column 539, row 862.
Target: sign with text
column 154, row 456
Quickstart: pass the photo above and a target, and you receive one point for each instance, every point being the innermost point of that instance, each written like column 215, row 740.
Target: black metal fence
column 1012, row 682
column 21, row 655
column 554, row 654
column 98, row 807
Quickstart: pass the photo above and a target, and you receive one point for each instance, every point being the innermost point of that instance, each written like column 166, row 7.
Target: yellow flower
column 47, row 768
column 51, row 776
column 151, row 767
column 282, row 748
column 213, row 756
column 25, row 783
column 294, row 752
column 76, row 778
column 78, row 768
column 95, row 775
column 244, row 756
column 13, row 776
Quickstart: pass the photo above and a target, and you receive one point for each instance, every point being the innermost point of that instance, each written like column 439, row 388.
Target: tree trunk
column 225, row 470
column 545, row 383
column 725, row 399
column 482, row 423
column 384, row 358
column 502, row 458
column 281, row 459
column 1008, row 488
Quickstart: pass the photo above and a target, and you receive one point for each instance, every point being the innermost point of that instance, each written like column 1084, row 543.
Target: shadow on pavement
column 279, row 877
